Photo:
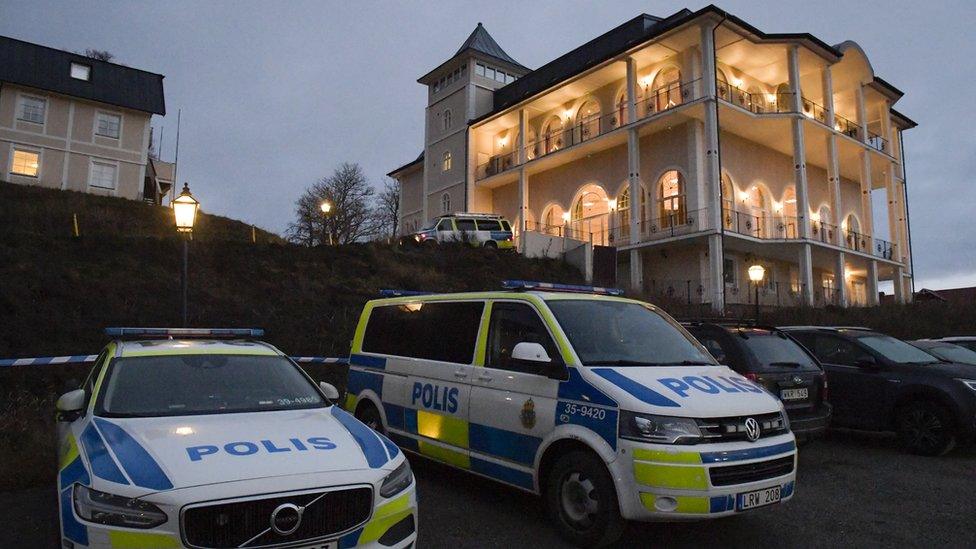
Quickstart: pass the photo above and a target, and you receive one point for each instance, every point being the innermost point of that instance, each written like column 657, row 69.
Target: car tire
column 926, row 428
column 368, row 414
column 581, row 500
column 491, row 245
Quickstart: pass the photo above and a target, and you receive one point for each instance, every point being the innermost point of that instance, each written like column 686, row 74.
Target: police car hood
column 186, row 451
column 685, row 391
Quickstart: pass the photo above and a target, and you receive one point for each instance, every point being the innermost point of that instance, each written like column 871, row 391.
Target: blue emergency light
column 184, row 332
column 553, row 287
column 402, row 293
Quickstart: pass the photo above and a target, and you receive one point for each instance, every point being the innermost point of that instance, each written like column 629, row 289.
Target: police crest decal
column 528, row 414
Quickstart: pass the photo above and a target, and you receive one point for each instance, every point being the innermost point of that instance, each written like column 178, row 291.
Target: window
column 442, row 331
column 716, row 345
column 489, row 225
column 465, row 224
column 672, row 190
column 511, row 324
column 729, row 272
column 772, row 350
column 32, row 109
column 446, row 121
column 25, row 163
column 446, row 162
column 480, row 69
column 834, row 350
column 446, row 224
column 109, row 125
column 103, row 176
column 446, row 203
column 80, row 71
column 897, row 350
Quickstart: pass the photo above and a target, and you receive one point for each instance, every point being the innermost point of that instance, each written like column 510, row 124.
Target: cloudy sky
column 276, row 94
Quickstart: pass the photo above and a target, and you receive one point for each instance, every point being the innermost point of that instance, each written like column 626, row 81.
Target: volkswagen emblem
column 752, row 429
column 797, row 379
column 286, row 518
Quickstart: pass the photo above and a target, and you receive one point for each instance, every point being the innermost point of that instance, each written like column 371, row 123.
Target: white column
column 872, row 283
column 833, row 180
column 716, row 264
column 636, row 271
column 899, row 284
column 827, row 85
column 523, row 182
column 894, row 211
column 862, row 113
column 866, row 209
column 805, row 265
column 799, row 148
column 840, row 279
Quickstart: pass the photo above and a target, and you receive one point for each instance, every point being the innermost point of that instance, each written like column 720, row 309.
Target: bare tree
column 387, row 208
column 349, row 219
column 101, row 55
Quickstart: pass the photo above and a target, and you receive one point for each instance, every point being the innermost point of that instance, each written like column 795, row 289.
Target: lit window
column 445, row 203
column 80, row 72
column 103, row 176
column 446, row 162
column 108, row 125
column 25, row 163
column 446, row 121
column 32, row 109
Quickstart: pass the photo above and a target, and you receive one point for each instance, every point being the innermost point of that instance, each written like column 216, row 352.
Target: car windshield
column 619, row 333
column 897, row 350
column 428, row 227
column 776, row 351
column 177, row 385
column 955, row 353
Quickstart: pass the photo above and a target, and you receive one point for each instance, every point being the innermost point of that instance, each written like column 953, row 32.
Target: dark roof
column 482, row 42
column 45, row 68
column 408, row 164
column 909, row 123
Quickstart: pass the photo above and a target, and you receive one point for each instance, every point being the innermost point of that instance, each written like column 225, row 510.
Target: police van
column 477, row 229
column 209, row 438
column 603, row 405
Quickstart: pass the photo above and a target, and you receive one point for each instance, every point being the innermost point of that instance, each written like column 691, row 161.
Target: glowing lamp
column 757, row 273
column 185, row 210
column 326, row 207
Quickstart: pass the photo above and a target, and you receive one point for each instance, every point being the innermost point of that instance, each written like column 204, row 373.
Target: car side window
column 489, row 225
column 835, row 350
column 715, row 347
column 89, row 385
column 441, row 331
column 445, row 225
column 511, row 324
column 465, row 224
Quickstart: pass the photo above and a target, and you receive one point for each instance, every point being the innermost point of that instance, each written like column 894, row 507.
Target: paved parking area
column 854, row 490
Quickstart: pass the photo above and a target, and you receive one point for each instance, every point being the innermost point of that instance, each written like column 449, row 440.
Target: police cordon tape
column 81, row 359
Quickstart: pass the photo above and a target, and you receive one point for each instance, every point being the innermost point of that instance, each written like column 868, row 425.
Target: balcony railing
column 858, row 242
column 824, row 232
column 876, row 142
column 846, row 127
column 497, row 164
column 758, row 103
column 763, row 225
column 884, row 249
column 668, row 97
column 814, row 111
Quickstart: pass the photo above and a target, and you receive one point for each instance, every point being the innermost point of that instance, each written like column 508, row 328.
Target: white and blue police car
column 208, row 438
column 603, row 405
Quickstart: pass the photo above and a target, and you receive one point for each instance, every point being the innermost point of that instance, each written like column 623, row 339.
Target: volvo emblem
column 286, row 518
column 752, row 429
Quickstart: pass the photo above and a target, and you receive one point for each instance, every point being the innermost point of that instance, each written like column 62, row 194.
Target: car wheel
column 926, row 428
column 491, row 244
column 582, row 501
column 368, row 414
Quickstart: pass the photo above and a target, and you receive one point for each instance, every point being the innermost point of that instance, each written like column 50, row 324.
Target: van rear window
column 430, row 330
column 489, row 225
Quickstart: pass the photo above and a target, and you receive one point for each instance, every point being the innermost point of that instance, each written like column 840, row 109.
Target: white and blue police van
column 209, row 438
column 604, row 406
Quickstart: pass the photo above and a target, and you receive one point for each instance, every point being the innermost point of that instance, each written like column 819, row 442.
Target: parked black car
column 773, row 359
column 946, row 351
column 968, row 342
column 880, row 383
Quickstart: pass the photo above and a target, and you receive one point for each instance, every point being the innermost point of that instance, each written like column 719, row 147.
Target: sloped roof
column 420, row 158
column 49, row 69
column 482, row 42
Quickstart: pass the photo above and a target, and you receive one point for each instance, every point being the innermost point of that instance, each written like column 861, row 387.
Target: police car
column 603, row 405
column 477, row 229
column 208, row 438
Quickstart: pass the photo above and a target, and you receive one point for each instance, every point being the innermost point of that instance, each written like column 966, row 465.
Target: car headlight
column 786, row 419
column 102, row 508
column 397, row 481
column 662, row 429
column 971, row 383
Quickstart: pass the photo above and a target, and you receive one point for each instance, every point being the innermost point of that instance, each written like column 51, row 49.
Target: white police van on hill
column 182, row 438
column 603, row 405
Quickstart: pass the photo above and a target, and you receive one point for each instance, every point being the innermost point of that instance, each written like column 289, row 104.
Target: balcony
column 877, row 142
column 756, row 103
column 658, row 101
column 760, row 225
column 824, row 232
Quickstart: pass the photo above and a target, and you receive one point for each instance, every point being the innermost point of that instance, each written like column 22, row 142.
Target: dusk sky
column 275, row 94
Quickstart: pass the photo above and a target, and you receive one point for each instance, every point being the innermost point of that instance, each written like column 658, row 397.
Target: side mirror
column 70, row 405
column 530, row 352
column 330, row 391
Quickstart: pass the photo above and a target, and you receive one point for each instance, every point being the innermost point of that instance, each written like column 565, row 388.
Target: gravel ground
column 854, row 490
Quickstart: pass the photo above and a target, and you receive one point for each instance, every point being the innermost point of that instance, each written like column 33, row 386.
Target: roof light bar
column 184, row 332
column 401, row 293
column 552, row 287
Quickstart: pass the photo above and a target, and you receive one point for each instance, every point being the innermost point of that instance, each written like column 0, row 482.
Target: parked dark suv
column 880, row 383
column 773, row 359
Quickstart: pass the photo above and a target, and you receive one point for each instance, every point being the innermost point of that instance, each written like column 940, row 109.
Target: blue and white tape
column 81, row 359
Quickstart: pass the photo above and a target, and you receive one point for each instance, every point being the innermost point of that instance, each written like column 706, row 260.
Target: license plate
column 758, row 498
column 794, row 394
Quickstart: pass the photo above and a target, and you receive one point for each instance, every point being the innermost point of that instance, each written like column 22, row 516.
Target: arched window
column 825, row 216
column 728, row 201
column 619, row 110
column 671, row 196
column 822, row 225
column 588, row 120
column 666, row 89
column 552, row 135
column 446, row 119
column 624, row 210
column 446, row 161
column 589, row 214
column 446, row 203
column 789, row 213
column 855, row 240
column 531, row 144
column 753, row 212
column 552, row 219
column 757, row 100
column 723, row 89
column 784, row 98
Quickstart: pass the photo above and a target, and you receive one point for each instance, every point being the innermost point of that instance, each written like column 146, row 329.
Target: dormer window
column 81, row 72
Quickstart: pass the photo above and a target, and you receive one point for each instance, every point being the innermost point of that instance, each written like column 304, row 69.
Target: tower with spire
column 459, row 90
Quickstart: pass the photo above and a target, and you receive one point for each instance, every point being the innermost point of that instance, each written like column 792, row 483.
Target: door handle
column 484, row 378
column 460, row 374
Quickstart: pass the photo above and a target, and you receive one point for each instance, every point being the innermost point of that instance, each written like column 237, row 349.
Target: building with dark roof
column 686, row 149
column 71, row 122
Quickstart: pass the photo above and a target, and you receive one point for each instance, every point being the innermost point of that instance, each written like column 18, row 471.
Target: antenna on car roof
column 526, row 285
column 402, row 293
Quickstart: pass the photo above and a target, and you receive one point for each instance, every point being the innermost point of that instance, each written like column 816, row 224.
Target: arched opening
column 753, row 212
column 757, row 100
column 588, row 120
column 671, row 198
column 625, row 211
column 665, row 90
column 620, row 110
column 852, row 228
column 723, row 88
column 728, row 201
column 789, row 213
column 589, row 217
column 784, row 98
column 553, row 137
column 553, row 220
column 446, row 203
column 531, row 145
column 823, row 225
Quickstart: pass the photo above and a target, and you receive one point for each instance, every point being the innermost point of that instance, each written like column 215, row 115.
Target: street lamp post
column 185, row 208
column 756, row 275
column 326, row 208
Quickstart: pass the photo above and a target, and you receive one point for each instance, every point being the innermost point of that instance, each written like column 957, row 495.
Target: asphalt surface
column 854, row 490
